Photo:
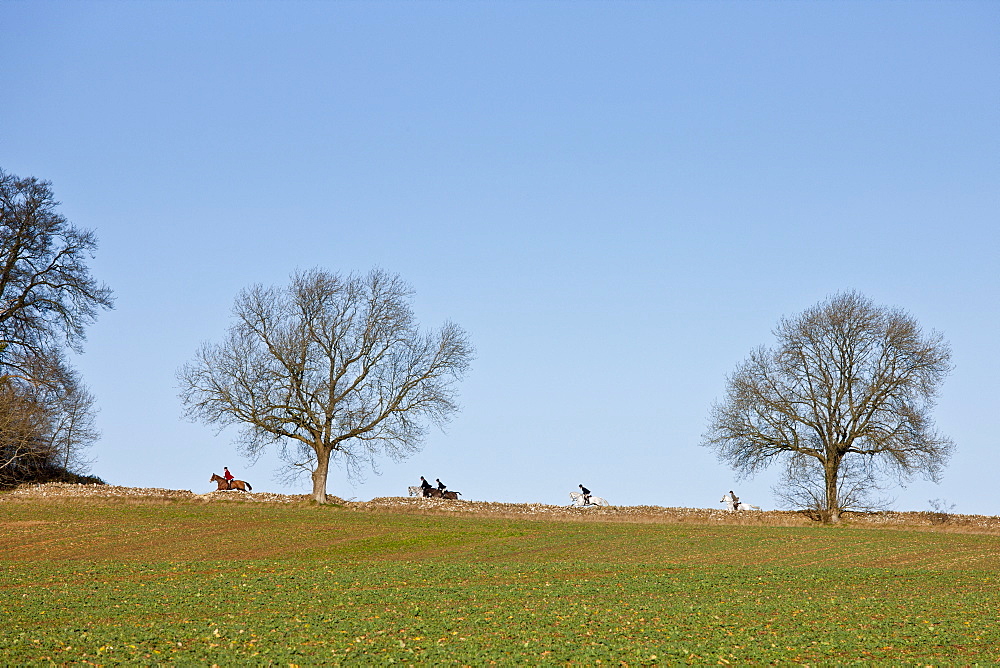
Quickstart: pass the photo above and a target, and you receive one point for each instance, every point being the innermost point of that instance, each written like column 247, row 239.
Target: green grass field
column 229, row 583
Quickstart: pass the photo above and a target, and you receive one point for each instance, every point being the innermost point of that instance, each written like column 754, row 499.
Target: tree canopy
column 843, row 400
column 328, row 365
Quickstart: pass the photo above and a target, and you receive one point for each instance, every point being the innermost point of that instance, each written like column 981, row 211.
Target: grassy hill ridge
column 159, row 581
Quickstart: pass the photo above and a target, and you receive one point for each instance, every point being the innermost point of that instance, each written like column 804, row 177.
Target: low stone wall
column 55, row 490
column 419, row 505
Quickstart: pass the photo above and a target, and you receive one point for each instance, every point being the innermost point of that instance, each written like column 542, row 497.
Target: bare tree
column 47, row 295
column 72, row 428
column 47, row 299
column 845, row 400
column 329, row 365
column 23, row 424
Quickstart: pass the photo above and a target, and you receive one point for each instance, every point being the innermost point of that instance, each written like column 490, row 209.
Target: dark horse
column 241, row 485
column 431, row 493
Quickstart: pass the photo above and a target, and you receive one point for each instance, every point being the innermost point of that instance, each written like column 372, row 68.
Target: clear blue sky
column 618, row 200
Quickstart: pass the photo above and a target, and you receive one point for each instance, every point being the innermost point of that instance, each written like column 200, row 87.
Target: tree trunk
column 831, row 513
column 319, row 475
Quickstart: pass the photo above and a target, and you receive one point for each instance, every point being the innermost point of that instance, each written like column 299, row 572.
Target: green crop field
column 113, row 582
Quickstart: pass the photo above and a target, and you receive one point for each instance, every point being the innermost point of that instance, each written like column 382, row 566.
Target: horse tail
column 249, row 488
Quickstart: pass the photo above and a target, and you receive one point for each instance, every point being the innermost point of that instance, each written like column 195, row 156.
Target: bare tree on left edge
column 47, row 299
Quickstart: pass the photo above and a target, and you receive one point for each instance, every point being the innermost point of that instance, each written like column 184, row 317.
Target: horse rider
column 441, row 485
column 586, row 495
column 736, row 500
column 425, row 487
column 228, row 476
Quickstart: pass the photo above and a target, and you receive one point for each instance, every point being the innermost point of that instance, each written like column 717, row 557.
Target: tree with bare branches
column 24, row 449
column 47, row 299
column 47, row 295
column 329, row 365
column 843, row 400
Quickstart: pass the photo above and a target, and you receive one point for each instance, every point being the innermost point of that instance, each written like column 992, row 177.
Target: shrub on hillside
column 46, row 473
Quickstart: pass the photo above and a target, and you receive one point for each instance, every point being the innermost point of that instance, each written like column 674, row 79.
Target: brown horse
column 224, row 484
column 450, row 495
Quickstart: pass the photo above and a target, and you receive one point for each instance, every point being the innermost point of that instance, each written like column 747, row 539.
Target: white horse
column 415, row 490
column 577, row 498
column 733, row 507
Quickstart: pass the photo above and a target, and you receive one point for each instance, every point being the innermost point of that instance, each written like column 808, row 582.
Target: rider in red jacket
column 228, row 476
